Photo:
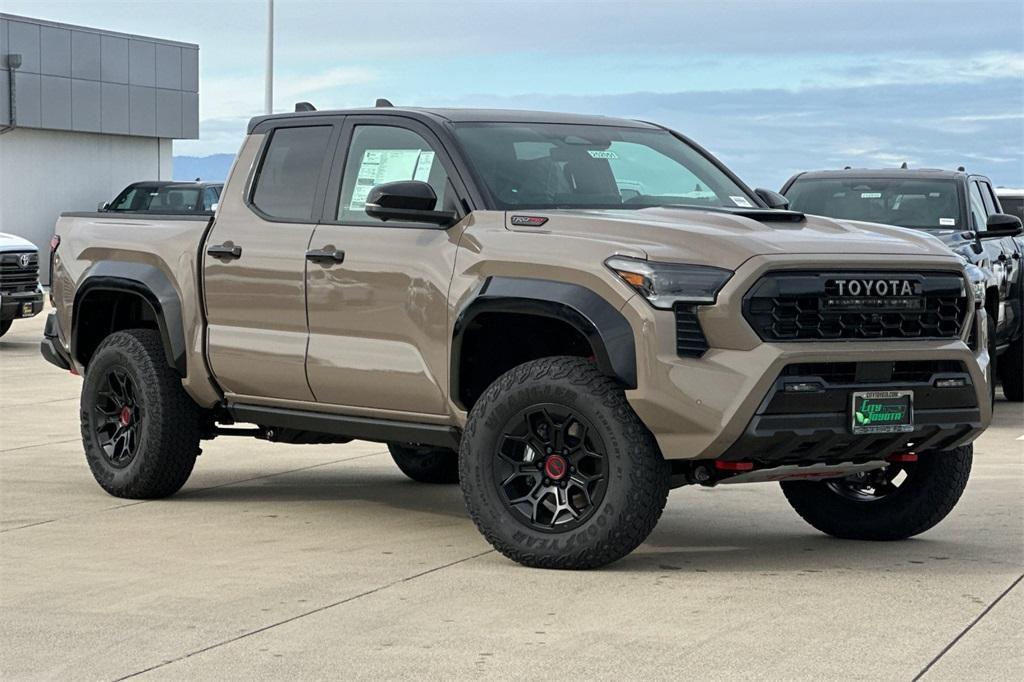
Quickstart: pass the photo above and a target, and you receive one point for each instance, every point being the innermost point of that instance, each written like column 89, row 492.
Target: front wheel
column 893, row 503
column 1012, row 370
column 557, row 470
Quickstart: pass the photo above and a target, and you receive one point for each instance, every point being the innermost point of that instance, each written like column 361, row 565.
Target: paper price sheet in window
column 389, row 165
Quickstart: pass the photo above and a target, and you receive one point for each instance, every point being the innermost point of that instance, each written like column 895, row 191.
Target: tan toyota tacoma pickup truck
column 568, row 315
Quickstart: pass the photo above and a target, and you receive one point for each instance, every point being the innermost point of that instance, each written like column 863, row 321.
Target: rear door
column 378, row 319
column 254, row 262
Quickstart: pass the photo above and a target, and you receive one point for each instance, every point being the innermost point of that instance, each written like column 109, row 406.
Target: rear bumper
column 15, row 306
column 51, row 348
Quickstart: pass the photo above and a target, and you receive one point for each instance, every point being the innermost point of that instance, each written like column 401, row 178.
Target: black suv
column 958, row 207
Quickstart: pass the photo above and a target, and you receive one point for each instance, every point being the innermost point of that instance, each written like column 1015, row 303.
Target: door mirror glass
column 407, row 200
column 1001, row 225
column 773, row 199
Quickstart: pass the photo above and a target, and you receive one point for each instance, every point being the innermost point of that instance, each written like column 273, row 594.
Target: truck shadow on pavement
column 691, row 540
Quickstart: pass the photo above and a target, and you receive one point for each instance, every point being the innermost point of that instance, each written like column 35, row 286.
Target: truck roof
column 462, row 116
column 884, row 173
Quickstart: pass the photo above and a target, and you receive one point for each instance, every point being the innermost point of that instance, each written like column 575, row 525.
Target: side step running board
column 360, row 428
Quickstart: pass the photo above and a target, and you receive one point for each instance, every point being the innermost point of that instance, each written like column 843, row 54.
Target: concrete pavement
column 305, row 562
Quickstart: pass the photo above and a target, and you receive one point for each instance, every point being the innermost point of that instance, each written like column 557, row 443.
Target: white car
column 20, row 293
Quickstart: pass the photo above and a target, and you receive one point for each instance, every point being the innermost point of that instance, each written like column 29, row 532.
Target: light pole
column 268, row 94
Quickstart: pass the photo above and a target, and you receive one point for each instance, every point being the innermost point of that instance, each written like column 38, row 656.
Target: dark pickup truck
column 958, row 207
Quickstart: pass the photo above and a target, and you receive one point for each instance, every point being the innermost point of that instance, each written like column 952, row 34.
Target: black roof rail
column 304, row 106
column 382, row 103
column 903, row 165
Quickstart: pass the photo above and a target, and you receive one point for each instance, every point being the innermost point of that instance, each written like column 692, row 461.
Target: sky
column 771, row 87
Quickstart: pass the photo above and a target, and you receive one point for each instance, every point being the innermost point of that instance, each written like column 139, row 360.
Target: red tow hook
column 726, row 465
column 904, row 457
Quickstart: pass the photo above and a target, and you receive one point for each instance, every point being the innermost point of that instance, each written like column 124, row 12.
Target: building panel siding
column 85, row 55
column 54, row 51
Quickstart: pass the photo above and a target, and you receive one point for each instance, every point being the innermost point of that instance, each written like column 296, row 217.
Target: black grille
column 690, row 341
column 792, row 307
column 15, row 277
column 902, row 371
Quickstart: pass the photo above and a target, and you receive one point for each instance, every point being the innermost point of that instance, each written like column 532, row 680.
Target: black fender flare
column 153, row 286
column 609, row 333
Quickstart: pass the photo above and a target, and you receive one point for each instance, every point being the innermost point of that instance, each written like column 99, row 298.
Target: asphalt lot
column 324, row 561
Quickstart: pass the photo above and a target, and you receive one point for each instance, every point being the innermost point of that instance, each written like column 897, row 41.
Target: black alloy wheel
column 551, row 468
column 117, row 418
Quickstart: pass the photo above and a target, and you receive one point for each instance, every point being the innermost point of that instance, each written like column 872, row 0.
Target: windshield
column 547, row 165
column 921, row 204
column 168, row 199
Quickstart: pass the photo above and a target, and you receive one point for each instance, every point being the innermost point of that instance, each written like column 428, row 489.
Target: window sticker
column 602, row 154
column 951, row 222
column 742, row 202
column 388, row 165
column 870, row 195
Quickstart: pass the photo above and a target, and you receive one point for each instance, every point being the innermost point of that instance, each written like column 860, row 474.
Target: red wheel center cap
column 555, row 467
column 126, row 415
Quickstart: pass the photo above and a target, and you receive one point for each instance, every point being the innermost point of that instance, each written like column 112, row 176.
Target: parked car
column 477, row 290
column 166, row 198
column 959, row 208
column 1011, row 201
column 20, row 293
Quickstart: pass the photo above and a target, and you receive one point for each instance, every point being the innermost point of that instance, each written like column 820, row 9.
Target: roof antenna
column 304, row 106
column 381, row 102
column 903, row 165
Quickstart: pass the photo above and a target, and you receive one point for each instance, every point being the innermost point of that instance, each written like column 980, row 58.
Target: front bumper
column 24, row 304
column 715, row 406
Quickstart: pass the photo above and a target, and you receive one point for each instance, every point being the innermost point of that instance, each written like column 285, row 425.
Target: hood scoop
column 762, row 215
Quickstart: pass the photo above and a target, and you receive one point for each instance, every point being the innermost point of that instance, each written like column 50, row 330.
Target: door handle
column 326, row 256
column 225, row 251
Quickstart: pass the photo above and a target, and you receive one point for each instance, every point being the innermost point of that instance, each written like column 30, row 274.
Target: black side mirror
column 408, row 200
column 1001, row 225
column 773, row 199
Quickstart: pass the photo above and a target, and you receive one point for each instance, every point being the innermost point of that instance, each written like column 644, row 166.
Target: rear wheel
column 556, row 468
column 5, row 325
column 139, row 427
column 426, row 464
column 1012, row 370
column 894, row 503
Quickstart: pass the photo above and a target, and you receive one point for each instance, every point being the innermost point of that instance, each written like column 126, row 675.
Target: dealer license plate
column 882, row 412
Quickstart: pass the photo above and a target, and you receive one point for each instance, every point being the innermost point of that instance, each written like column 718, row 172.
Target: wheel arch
column 137, row 294
column 561, row 305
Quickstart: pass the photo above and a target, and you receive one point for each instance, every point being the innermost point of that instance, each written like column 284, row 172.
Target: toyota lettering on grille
column 873, row 294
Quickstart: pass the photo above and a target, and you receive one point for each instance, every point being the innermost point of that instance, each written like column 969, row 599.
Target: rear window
column 288, row 177
column 917, row 203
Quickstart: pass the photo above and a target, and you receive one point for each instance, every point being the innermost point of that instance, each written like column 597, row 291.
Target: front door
column 254, row 265
column 378, row 319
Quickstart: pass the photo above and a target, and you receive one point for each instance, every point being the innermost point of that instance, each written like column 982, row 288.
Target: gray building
column 93, row 111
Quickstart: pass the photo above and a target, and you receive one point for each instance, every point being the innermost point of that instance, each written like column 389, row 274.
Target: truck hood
column 728, row 238
column 10, row 242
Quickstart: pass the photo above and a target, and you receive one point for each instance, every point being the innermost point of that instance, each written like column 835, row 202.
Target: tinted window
column 923, row 204
column 987, row 197
column 1013, row 206
column 165, row 199
column 379, row 154
column 288, row 177
column 979, row 219
column 538, row 165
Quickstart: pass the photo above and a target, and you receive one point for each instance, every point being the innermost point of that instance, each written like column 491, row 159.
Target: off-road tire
column 932, row 488
column 5, row 325
column 169, row 427
column 426, row 464
column 1011, row 369
column 637, row 475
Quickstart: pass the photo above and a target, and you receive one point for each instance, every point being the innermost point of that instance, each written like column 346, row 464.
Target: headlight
column 663, row 284
column 977, row 277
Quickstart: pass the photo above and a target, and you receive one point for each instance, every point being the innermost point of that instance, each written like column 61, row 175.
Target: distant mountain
column 211, row 168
